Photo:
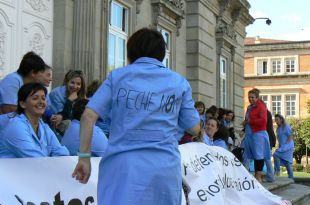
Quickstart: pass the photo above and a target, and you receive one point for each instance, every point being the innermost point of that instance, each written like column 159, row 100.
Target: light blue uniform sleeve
column 288, row 130
column 55, row 148
column 188, row 116
column 101, row 102
column 56, row 99
column 220, row 143
column 8, row 91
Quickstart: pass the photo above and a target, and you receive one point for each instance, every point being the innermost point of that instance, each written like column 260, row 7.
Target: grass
column 296, row 174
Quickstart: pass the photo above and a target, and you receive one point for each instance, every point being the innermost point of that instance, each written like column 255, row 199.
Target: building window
column 276, row 66
column 290, row 105
column 167, row 37
column 276, row 104
column 223, row 82
column 264, row 98
column 262, row 66
column 118, row 34
column 290, row 65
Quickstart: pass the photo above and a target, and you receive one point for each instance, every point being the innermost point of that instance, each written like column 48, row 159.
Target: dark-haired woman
column 215, row 134
column 147, row 102
column 27, row 135
column 201, row 108
column 283, row 156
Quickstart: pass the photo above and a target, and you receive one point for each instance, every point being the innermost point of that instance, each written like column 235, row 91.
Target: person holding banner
column 283, row 156
column 215, row 134
column 147, row 102
column 257, row 146
column 26, row 135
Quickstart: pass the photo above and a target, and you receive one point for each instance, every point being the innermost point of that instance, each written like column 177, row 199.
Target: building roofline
column 276, row 43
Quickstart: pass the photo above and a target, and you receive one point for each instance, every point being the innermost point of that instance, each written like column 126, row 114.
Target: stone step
column 280, row 184
column 296, row 193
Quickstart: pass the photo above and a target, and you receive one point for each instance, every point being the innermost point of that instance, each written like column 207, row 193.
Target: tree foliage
column 300, row 146
column 305, row 131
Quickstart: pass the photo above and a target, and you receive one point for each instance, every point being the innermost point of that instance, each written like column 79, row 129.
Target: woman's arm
column 83, row 168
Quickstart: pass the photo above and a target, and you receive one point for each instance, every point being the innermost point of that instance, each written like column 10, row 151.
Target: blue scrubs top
column 285, row 150
column 56, row 99
column 142, row 163
column 19, row 140
column 71, row 140
column 9, row 87
column 4, row 121
column 219, row 143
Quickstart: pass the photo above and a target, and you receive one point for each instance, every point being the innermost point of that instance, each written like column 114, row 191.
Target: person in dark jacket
column 272, row 141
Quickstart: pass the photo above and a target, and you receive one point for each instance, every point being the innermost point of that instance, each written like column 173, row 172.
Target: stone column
column 83, row 42
column 62, row 39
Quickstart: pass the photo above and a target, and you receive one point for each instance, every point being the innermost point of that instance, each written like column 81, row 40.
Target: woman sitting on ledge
column 27, row 135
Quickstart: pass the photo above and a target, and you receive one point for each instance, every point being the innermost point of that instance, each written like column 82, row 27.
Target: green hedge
column 307, row 168
column 298, row 167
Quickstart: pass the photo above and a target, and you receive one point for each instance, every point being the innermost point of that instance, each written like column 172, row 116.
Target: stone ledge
column 286, row 188
column 280, row 183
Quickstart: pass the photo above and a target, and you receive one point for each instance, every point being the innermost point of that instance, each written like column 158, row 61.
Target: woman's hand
column 82, row 170
column 55, row 120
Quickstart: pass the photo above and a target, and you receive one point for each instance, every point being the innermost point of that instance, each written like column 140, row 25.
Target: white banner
column 214, row 175
column 45, row 181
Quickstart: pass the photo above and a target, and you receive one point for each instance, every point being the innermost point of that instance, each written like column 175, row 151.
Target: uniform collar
column 40, row 131
column 149, row 60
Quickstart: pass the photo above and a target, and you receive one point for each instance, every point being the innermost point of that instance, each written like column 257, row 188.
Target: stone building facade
column 281, row 71
column 205, row 39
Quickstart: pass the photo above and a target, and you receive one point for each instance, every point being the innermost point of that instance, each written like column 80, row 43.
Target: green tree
column 305, row 131
column 300, row 146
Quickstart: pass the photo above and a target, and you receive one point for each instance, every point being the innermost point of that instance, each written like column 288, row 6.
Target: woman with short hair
column 257, row 145
column 147, row 102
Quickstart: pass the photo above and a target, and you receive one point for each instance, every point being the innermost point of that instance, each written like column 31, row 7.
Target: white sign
column 216, row 177
column 45, row 181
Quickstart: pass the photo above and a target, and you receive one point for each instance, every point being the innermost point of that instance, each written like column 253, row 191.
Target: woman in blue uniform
column 215, row 134
column 71, row 137
column 27, row 135
column 147, row 102
column 283, row 156
column 31, row 69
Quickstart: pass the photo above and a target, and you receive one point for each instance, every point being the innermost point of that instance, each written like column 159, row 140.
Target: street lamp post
column 268, row 21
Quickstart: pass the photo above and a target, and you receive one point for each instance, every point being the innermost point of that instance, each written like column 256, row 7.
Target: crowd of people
column 252, row 144
column 37, row 124
column 134, row 121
